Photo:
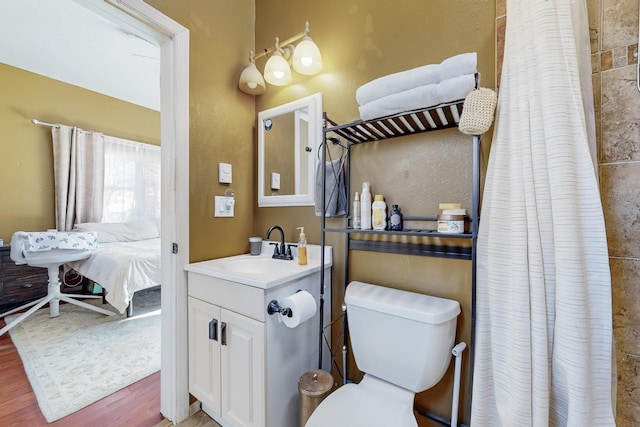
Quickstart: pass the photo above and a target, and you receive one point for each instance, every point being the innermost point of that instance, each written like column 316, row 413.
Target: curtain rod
column 38, row 122
column 54, row 125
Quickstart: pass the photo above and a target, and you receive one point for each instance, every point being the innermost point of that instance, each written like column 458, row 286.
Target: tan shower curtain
column 544, row 323
column 79, row 174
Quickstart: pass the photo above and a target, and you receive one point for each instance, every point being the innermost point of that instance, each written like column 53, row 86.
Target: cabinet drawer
column 20, row 283
column 21, row 290
column 236, row 297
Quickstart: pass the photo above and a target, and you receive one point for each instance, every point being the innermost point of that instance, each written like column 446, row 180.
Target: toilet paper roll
column 303, row 307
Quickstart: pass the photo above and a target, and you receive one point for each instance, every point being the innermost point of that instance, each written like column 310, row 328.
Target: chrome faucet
column 281, row 252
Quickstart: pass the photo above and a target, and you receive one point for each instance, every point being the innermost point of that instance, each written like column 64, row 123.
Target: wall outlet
column 224, row 173
column 223, row 206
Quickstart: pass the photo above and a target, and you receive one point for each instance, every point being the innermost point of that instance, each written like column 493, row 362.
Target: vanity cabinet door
column 243, row 370
column 204, row 352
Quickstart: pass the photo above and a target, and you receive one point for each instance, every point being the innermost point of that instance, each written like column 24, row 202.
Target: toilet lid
column 354, row 406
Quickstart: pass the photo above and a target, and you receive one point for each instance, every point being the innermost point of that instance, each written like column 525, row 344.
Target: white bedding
column 123, row 268
column 126, row 260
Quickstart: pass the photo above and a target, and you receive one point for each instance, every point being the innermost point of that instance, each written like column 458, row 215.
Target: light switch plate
column 223, row 206
column 224, row 173
column 275, row 181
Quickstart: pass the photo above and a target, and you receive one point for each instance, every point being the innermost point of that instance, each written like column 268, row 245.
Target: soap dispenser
column 302, row 247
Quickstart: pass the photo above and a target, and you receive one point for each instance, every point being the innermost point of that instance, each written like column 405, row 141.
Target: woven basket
column 477, row 113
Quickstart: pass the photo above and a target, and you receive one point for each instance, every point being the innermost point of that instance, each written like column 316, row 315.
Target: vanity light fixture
column 251, row 80
column 305, row 58
column 276, row 70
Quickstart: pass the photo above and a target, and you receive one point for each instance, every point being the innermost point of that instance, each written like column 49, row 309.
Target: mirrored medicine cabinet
column 288, row 139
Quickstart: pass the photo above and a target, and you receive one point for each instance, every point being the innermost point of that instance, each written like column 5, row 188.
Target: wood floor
column 135, row 406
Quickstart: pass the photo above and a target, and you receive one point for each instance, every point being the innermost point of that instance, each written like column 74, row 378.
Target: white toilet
column 402, row 341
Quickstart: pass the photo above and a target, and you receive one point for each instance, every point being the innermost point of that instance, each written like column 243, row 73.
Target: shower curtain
column 544, row 323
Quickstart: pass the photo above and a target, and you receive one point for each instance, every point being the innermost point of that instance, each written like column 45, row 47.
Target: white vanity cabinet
column 244, row 364
column 226, row 358
column 204, row 353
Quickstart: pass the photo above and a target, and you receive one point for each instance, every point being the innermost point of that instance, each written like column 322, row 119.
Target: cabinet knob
column 27, row 286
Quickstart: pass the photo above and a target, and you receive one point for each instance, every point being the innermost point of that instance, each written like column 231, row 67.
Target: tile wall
column 613, row 27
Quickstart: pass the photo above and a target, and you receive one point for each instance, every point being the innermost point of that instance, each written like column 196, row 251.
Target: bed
column 126, row 260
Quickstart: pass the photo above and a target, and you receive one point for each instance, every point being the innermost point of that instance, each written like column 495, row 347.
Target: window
column 131, row 181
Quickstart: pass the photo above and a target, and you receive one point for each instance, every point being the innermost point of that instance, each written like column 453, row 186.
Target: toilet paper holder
column 273, row 307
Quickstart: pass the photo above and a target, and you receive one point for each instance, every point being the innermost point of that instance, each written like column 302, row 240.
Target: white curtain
column 131, row 181
column 544, row 323
column 78, row 173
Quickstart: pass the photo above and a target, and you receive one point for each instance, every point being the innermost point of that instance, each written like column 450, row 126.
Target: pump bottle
column 302, row 247
column 356, row 212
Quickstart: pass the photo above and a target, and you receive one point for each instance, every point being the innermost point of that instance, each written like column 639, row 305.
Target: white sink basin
column 255, row 265
column 262, row 271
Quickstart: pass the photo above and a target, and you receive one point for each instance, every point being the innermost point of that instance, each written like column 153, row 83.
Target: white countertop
column 268, row 273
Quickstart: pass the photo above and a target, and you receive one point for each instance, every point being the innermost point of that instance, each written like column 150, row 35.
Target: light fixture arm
column 286, row 42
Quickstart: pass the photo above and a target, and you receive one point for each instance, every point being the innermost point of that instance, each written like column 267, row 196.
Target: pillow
column 122, row 231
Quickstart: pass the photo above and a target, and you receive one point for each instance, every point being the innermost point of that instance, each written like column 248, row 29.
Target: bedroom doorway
column 174, row 82
column 173, row 40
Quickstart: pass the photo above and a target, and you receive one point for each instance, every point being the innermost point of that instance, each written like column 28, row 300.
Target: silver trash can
column 313, row 387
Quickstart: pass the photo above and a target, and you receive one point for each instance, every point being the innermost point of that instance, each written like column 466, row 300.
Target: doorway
column 174, row 82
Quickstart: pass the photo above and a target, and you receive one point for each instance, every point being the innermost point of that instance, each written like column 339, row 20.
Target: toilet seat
column 353, row 406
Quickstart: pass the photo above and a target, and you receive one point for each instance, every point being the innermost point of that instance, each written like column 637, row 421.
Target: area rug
column 81, row 356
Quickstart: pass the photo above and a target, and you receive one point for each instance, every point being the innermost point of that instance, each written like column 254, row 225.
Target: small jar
column 452, row 224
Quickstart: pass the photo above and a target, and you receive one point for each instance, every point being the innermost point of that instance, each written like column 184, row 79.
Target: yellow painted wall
column 221, row 121
column 361, row 40
column 26, row 153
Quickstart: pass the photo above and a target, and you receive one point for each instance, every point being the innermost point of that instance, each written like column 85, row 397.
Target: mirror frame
column 314, row 105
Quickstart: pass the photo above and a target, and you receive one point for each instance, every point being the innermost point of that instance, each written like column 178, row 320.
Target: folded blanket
column 455, row 66
column 448, row 90
column 335, row 192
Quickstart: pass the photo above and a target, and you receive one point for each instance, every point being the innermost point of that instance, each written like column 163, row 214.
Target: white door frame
column 174, row 117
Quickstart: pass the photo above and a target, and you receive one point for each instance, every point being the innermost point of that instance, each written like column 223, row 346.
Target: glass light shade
column 277, row 71
column 306, row 57
column 251, row 81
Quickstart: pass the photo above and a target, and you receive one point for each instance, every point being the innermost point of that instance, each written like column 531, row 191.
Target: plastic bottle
column 365, row 207
column 302, row 247
column 356, row 212
column 395, row 219
column 379, row 213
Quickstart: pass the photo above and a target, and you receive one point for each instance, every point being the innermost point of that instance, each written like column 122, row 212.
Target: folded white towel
column 465, row 63
column 448, row 90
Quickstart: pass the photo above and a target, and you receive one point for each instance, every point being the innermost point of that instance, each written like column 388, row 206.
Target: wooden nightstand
column 19, row 284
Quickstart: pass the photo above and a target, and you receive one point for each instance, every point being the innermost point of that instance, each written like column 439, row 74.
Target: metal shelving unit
column 435, row 118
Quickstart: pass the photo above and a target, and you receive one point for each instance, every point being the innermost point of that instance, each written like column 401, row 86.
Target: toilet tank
column 402, row 337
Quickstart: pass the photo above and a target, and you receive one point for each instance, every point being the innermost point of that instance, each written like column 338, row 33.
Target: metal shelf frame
column 435, row 118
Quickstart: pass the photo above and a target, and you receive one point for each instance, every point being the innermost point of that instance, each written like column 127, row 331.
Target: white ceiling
column 67, row 41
